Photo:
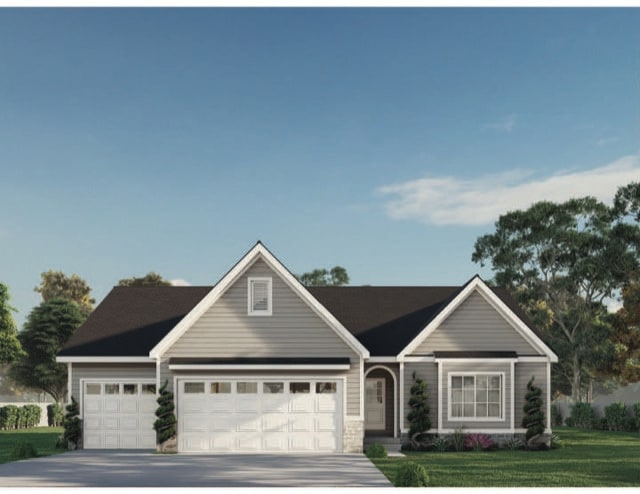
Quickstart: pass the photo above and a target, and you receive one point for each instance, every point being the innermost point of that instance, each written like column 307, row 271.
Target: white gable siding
column 293, row 330
column 475, row 326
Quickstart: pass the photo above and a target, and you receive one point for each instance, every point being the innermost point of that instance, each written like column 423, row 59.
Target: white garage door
column 119, row 415
column 252, row 415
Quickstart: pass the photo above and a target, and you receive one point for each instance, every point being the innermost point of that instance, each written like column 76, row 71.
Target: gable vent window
column 259, row 296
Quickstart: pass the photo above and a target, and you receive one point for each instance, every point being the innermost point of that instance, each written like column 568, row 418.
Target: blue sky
column 383, row 140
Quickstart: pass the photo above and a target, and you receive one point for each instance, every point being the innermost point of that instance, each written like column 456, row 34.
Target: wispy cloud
column 453, row 201
column 505, row 124
column 179, row 282
column 606, row 140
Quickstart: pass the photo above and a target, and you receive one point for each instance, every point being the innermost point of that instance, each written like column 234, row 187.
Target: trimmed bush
column 72, row 429
column 418, row 416
column 533, row 419
column 55, row 415
column 411, row 474
column 582, row 415
column 376, row 450
column 165, row 424
column 32, row 415
column 23, row 450
column 9, row 417
column 616, row 416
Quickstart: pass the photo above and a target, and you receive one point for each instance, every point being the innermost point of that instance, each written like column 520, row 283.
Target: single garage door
column 253, row 415
column 119, row 415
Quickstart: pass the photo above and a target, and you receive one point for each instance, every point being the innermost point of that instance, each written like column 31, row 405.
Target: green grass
column 587, row 459
column 42, row 438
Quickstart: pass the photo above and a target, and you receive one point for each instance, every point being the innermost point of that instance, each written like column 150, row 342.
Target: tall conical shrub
column 165, row 424
column 418, row 416
column 533, row 419
column 72, row 429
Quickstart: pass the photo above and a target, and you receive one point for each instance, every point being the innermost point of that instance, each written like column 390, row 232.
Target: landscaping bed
column 587, row 459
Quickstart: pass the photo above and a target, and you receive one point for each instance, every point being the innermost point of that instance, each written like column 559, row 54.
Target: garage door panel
column 221, row 403
column 248, row 423
column 301, row 442
column 326, row 442
column 275, row 442
column 195, row 442
column 326, row 423
column 129, row 441
column 327, row 403
column 148, row 405
column 128, row 423
column 249, row 441
column 275, row 422
column 302, row 404
column 110, row 423
column 129, row 405
column 222, row 442
column 111, row 440
column 92, row 440
column 247, row 403
column 111, row 405
column 222, row 422
column 275, row 403
column 93, row 405
column 195, row 422
column 301, row 423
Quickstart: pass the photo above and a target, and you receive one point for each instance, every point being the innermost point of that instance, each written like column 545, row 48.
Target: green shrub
column 616, row 416
column 23, row 450
column 533, row 419
column 457, row 439
column 418, row 416
column 514, row 443
column 441, row 444
column 9, row 417
column 411, row 474
column 32, row 415
column 55, row 415
column 555, row 442
column 376, row 450
column 556, row 416
column 165, row 424
column 582, row 415
column 636, row 416
column 61, row 442
column 72, row 429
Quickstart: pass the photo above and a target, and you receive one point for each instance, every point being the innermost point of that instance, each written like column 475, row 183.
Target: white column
column 401, row 417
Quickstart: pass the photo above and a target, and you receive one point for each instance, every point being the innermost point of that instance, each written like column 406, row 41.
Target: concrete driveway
column 88, row 468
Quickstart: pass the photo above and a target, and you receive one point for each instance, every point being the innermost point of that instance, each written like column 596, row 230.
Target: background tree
column 47, row 329
column 561, row 262
column 150, row 279
column 336, row 276
column 533, row 419
column 419, row 421
column 626, row 336
column 57, row 285
column 10, row 349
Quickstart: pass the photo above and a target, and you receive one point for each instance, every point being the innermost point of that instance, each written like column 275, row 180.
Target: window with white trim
column 259, row 296
column 476, row 396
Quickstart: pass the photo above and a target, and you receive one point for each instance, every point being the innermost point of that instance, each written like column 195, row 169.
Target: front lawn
column 42, row 438
column 587, row 459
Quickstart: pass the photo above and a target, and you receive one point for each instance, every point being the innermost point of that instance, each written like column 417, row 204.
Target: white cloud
column 453, row 201
column 179, row 282
column 505, row 124
column 606, row 140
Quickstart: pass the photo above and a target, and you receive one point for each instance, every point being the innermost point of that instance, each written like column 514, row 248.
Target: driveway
column 88, row 468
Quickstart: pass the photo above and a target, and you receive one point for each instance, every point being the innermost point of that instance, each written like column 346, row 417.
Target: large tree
column 10, row 349
column 47, row 329
column 336, row 276
column 150, row 279
column 57, row 285
column 562, row 262
column 626, row 336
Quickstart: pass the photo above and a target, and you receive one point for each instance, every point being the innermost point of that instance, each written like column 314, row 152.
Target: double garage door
column 259, row 415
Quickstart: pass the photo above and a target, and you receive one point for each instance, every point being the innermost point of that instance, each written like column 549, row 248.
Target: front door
column 374, row 404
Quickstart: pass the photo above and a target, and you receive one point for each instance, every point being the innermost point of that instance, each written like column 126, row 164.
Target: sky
column 382, row 140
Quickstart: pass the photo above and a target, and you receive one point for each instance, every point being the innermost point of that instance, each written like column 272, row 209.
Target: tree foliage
column 165, row 424
column 626, row 336
column 150, row 279
column 418, row 416
column 47, row 329
column 561, row 262
column 336, row 276
column 71, row 422
column 10, row 349
column 57, row 285
column 533, row 419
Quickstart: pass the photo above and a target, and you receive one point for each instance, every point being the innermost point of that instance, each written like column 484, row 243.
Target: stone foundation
column 353, row 435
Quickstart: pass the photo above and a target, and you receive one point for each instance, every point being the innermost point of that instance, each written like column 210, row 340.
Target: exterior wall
column 390, row 419
column 429, row 372
column 353, row 436
column 293, row 330
column 108, row 371
column 524, row 371
column 480, row 367
column 475, row 325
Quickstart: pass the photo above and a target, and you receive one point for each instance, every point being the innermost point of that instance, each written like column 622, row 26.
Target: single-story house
column 261, row 363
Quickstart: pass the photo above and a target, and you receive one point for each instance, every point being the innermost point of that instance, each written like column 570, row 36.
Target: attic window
column 259, row 297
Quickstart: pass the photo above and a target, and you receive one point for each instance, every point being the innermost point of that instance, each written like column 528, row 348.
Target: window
column 194, row 388
column 299, row 388
column 148, row 389
column 325, row 388
column 475, row 396
column 272, row 388
column 112, row 389
column 247, row 387
column 259, row 297
column 131, row 389
column 220, row 388
column 93, row 389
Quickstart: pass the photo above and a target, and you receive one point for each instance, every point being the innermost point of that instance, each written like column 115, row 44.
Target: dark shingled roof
column 130, row 321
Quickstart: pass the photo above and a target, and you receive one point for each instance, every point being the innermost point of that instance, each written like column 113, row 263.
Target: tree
column 419, row 421
column 533, row 419
column 150, row 279
column 57, row 285
column 337, row 276
column 561, row 261
column 47, row 329
column 626, row 336
column 10, row 349
column 165, row 424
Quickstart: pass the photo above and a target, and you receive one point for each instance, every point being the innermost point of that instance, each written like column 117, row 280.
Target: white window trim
column 114, row 380
column 250, row 309
column 195, row 367
column 384, row 404
column 451, row 418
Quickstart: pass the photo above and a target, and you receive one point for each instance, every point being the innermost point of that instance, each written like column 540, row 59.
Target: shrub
column 616, row 416
column 9, row 417
column 457, row 439
column 418, row 416
column 533, row 419
column 72, row 430
column 376, row 450
column 23, row 450
column 165, row 424
column 514, row 443
column 55, row 415
column 441, row 444
column 61, row 442
column 582, row 415
column 32, row 415
column 556, row 415
column 636, row 416
column 478, row 442
column 411, row 474
column 555, row 442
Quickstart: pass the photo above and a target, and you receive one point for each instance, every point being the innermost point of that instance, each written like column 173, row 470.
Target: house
column 259, row 363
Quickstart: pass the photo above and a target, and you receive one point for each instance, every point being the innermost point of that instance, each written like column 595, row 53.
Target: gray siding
column 293, row 330
column 475, row 325
column 429, row 372
column 389, row 397
column 524, row 371
column 109, row 371
column 479, row 367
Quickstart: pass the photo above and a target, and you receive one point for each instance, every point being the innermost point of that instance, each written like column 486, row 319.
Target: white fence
column 43, row 410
